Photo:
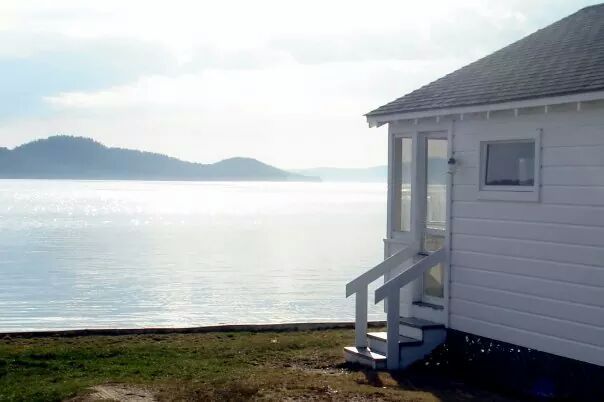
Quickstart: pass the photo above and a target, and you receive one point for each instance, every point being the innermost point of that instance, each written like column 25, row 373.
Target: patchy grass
column 216, row 366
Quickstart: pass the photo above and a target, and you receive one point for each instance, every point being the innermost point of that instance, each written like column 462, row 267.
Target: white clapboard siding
column 573, row 195
column 531, row 268
column 555, row 290
column 465, row 160
column 540, row 324
column 548, row 251
column 564, row 195
column 530, row 212
column 532, row 273
column 572, row 175
column 574, row 156
column 553, row 344
column 551, row 232
column 514, row 300
column 550, row 175
column 553, row 136
column 559, row 129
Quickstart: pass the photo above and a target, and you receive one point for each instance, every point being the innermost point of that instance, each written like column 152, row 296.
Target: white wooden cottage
column 506, row 240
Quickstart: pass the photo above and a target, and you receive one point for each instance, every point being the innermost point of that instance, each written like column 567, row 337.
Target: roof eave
column 376, row 120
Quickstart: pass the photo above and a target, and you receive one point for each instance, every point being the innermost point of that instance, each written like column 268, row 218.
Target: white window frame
column 509, row 193
column 394, row 210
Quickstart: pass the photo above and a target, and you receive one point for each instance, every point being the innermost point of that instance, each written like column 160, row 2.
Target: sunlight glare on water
column 93, row 254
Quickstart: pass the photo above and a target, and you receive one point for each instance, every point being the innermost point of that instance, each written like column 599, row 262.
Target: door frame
column 395, row 132
column 421, row 211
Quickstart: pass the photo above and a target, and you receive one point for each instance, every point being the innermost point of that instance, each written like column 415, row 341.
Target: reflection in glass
column 436, row 170
column 510, row 163
column 433, row 278
column 405, row 205
column 436, row 212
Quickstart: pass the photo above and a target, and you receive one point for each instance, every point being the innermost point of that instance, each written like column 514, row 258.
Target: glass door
column 433, row 210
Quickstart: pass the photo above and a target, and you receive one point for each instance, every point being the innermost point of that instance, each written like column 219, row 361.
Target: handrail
column 391, row 292
column 360, row 287
column 409, row 274
column 380, row 270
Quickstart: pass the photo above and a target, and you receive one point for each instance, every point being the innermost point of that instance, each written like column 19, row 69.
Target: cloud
column 286, row 82
column 291, row 115
column 34, row 66
column 440, row 37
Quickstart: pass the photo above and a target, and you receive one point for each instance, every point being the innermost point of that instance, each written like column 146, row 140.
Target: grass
column 216, row 366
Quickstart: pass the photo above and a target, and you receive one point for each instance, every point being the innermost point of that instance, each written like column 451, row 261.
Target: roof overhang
column 378, row 120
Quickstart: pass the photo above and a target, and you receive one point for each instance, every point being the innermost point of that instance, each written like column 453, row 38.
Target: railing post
column 360, row 324
column 393, row 318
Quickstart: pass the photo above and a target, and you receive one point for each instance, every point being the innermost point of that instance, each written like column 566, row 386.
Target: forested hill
column 66, row 157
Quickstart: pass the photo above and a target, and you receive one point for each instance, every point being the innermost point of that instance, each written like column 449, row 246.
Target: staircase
column 407, row 339
column 417, row 338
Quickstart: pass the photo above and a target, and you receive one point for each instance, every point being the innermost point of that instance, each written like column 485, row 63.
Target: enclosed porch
column 415, row 269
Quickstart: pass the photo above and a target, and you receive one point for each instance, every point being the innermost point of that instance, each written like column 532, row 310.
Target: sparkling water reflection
column 93, row 254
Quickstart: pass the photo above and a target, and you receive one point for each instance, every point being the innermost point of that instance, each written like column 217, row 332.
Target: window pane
column 436, row 179
column 405, row 205
column 433, row 278
column 510, row 164
column 433, row 242
column 433, row 281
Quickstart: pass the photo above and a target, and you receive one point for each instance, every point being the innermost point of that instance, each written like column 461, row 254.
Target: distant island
column 437, row 168
column 334, row 174
column 68, row 157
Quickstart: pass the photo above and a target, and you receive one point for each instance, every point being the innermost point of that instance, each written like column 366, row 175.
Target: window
column 509, row 168
column 405, row 205
column 402, row 176
column 510, row 163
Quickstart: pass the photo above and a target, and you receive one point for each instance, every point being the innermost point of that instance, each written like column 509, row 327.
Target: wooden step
column 419, row 323
column 365, row 357
column 428, row 305
column 413, row 327
column 402, row 340
column 377, row 341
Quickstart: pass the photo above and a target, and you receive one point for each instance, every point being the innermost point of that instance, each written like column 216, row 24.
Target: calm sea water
column 94, row 254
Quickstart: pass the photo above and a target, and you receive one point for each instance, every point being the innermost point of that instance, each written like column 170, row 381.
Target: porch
column 415, row 270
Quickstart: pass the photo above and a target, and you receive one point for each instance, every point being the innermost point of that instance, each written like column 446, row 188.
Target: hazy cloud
column 286, row 82
column 35, row 66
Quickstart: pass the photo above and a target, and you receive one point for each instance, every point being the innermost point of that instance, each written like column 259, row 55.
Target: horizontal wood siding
column 530, row 212
column 574, row 156
column 541, row 324
column 532, row 273
column 555, row 290
column 560, row 195
column 539, row 250
column 572, row 176
column 530, row 339
column 550, row 232
column 543, row 306
column 527, row 268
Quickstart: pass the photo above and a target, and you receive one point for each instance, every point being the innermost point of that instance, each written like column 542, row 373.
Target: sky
column 286, row 82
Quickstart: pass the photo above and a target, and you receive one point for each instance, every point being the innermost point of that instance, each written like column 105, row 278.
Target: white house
column 506, row 240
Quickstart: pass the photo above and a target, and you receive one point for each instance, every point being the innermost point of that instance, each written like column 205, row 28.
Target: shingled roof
column 564, row 58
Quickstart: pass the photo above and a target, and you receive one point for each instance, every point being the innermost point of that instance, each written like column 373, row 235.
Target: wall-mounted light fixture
column 452, row 164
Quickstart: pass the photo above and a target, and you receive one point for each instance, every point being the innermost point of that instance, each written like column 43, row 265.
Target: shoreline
column 280, row 327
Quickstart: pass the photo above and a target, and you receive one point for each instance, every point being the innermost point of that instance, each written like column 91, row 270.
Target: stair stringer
column 431, row 339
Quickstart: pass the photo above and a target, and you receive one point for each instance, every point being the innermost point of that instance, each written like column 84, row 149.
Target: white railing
column 391, row 292
column 359, row 286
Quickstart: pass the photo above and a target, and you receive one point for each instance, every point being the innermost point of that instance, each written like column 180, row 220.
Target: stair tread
column 404, row 340
column 419, row 323
column 430, row 305
column 365, row 352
